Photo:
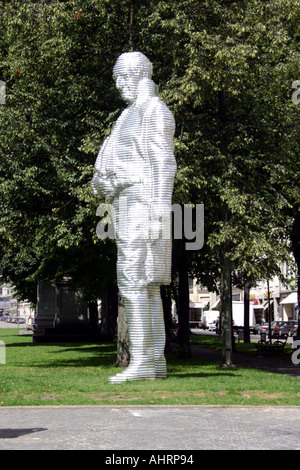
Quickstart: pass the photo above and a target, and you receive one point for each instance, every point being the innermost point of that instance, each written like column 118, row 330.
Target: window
column 236, row 296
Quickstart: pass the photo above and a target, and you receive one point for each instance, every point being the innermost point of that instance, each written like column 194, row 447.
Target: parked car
column 277, row 328
column 202, row 325
column 18, row 320
column 255, row 329
column 290, row 327
column 212, row 326
column 262, row 328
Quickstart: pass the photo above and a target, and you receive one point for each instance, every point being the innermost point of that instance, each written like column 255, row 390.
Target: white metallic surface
column 136, row 163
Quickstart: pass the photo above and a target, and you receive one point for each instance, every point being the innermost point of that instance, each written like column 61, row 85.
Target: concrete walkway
column 166, row 429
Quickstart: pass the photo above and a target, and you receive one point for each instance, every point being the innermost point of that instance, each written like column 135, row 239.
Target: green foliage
column 229, row 70
column 56, row 62
column 224, row 68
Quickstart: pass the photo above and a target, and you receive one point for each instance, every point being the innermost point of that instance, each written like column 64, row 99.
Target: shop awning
column 263, row 306
column 290, row 299
column 198, row 304
column 267, row 304
column 215, row 304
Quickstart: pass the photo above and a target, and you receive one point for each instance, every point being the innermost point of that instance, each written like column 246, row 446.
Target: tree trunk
column 93, row 311
column 109, row 310
column 132, row 22
column 246, row 312
column 165, row 292
column 226, row 316
column 183, row 334
column 123, row 354
column 295, row 239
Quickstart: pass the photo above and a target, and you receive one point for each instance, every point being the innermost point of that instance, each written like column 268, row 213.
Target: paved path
column 269, row 364
column 159, row 428
column 4, row 324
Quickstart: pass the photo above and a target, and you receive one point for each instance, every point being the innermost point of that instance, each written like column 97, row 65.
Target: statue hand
column 102, row 185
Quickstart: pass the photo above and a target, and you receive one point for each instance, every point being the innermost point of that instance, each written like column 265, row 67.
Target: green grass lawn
column 76, row 374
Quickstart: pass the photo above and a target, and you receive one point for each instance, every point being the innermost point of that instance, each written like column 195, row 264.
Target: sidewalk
column 167, row 429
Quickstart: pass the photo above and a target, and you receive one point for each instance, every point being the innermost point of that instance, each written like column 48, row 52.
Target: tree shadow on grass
column 196, row 366
column 189, row 375
column 88, row 356
column 104, row 355
column 70, row 345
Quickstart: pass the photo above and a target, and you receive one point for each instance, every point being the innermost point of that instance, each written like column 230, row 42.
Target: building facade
column 10, row 306
column 280, row 296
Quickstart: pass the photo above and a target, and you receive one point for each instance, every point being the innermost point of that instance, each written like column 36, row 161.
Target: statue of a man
column 136, row 164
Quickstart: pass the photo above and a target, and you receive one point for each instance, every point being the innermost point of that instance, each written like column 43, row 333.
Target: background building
column 283, row 298
column 12, row 307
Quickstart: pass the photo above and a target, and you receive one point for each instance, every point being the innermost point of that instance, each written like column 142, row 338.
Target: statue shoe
column 133, row 373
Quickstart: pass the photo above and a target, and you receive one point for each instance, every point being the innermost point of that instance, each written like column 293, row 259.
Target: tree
column 226, row 62
column 225, row 69
column 56, row 62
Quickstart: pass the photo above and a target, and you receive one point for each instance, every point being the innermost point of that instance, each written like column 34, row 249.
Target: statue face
column 129, row 69
column 127, row 80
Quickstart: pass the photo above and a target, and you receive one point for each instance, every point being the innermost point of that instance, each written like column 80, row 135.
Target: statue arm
column 102, row 183
column 161, row 154
column 106, row 182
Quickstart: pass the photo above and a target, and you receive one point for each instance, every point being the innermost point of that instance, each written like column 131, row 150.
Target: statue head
column 129, row 70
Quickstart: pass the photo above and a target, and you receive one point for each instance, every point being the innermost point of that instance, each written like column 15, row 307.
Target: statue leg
column 134, row 289
column 142, row 364
column 158, row 331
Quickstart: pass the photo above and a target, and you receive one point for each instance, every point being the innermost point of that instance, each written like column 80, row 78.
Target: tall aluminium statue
column 136, row 166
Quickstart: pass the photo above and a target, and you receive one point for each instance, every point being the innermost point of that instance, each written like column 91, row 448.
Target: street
column 194, row 331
